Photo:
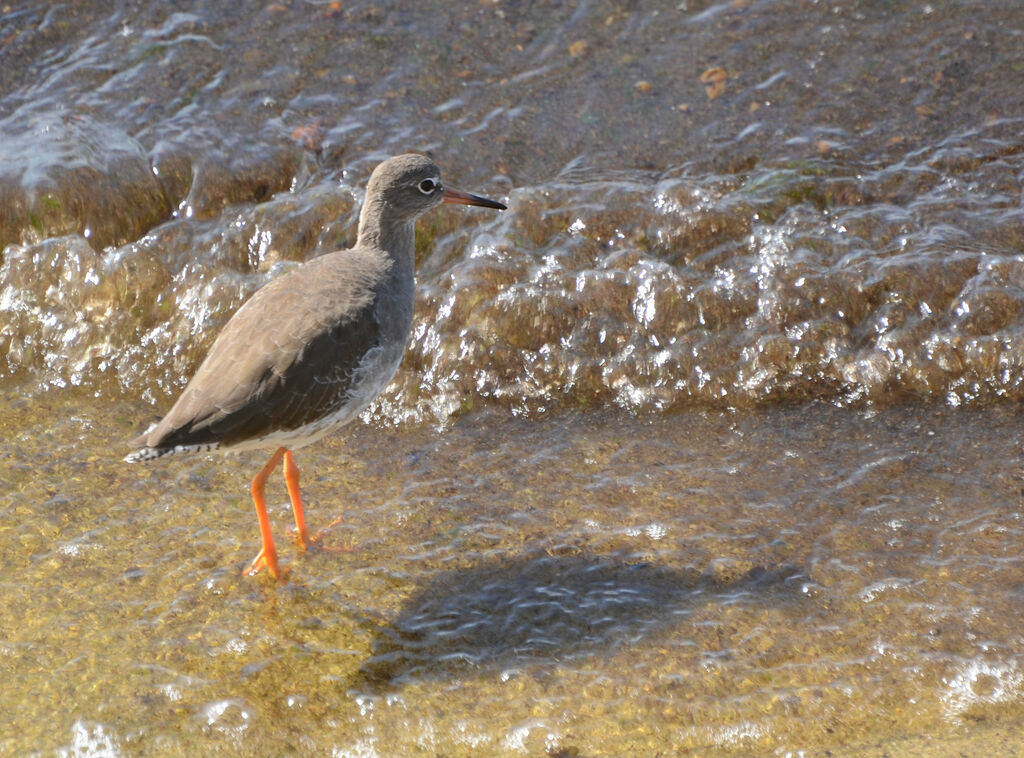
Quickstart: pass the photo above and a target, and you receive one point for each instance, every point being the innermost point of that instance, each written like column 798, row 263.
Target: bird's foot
column 319, row 536
column 317, row 539
column 268, row 561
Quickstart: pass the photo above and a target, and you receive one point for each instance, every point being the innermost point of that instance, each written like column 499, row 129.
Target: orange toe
column 263, row 560
column 317, row 539
column 320, row 533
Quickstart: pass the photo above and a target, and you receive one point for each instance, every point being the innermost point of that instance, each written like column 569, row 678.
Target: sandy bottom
column 804, row 581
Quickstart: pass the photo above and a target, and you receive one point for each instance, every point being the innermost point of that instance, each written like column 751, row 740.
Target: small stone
column 578, row 48
column 714, row 80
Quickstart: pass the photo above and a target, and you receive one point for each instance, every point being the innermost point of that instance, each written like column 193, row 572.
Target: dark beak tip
column 457, row 197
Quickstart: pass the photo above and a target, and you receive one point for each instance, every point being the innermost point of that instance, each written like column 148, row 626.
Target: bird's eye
column 427, row 186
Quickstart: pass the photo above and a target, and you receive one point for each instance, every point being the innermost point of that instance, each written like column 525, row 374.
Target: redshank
column 312, row 348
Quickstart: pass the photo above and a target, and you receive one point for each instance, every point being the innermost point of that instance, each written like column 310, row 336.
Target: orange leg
column 291, row 479
column 268, row 554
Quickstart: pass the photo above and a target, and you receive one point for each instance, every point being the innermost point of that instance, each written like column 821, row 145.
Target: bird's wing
column 286, row 358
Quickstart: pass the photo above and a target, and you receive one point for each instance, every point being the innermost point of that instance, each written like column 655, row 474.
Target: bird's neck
column 392, row 236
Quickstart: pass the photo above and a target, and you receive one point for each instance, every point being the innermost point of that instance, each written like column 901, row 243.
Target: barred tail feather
column 152, row 453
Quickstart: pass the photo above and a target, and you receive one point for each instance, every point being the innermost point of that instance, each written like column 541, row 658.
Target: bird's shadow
column 514, row 612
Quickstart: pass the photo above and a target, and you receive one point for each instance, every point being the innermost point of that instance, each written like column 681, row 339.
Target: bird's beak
column 464, row 198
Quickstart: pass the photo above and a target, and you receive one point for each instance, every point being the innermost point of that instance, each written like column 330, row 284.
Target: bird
column 310, row 349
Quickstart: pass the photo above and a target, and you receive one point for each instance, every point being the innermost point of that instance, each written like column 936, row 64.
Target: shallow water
column 801, row 579
column 708, row 445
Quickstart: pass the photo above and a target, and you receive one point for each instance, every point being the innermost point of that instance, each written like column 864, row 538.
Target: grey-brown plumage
column 289, row 357
column 314, row 347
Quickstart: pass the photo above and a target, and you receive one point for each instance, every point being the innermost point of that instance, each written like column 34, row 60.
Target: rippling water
column 833, row 224
column 806, row 579
column 743, row 355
